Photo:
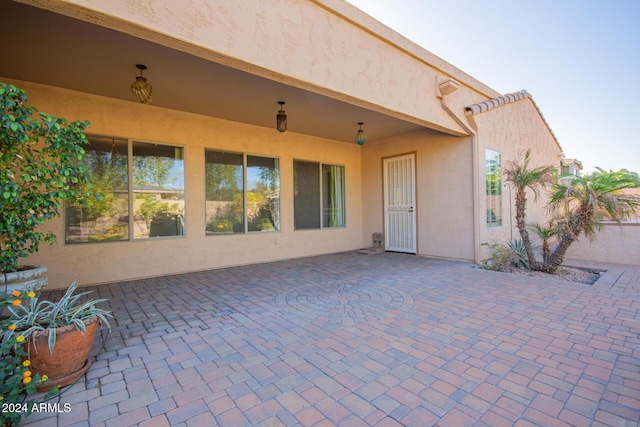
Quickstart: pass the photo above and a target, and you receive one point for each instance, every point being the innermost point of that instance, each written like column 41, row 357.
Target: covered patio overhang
column 47, row 47
column 218, row 70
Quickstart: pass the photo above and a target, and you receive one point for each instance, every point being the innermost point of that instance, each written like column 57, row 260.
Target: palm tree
column 523, row 178
column 577, row 204
column 546, row 233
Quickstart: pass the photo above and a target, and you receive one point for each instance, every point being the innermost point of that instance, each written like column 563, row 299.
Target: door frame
column 414, row 179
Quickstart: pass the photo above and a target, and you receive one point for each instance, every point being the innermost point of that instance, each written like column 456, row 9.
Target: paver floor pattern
column 357, row 340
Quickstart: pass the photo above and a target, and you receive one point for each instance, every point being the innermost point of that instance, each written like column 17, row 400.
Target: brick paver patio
column 357, row 340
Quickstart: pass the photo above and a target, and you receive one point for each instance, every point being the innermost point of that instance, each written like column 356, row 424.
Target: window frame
column 321, row 195
column 491, row 198
column 130, row 237
column 245, row 192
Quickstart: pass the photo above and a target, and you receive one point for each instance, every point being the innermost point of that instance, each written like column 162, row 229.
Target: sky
column 579, row 59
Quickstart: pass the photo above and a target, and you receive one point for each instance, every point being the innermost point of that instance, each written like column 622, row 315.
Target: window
column 319, row 195
column 224, row 192
column 493, row 173
column 158, row 190
column 263, row 193
column 154, row 192
column 236, row 203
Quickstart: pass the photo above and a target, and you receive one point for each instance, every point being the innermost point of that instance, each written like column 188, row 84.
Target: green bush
column 506, row 255
column 40, row 166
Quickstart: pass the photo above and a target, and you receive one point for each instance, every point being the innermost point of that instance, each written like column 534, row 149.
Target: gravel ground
column 568, row 274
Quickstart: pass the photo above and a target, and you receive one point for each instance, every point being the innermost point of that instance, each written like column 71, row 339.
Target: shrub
column 39, row 168
column 506, row 255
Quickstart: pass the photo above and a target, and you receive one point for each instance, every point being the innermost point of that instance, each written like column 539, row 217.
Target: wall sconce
column 360, row 138
column 281, row 118
column 140, row 88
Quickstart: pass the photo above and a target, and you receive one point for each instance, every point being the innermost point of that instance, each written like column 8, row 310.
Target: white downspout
column 446, row 88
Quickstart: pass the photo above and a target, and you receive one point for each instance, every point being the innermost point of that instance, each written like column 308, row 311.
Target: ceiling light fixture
column 281, row 118
column 140, row 88
column 360, row 138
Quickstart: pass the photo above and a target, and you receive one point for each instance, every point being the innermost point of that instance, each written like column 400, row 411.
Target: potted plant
column 58, row 336
column 17, row 380
column 39, row 168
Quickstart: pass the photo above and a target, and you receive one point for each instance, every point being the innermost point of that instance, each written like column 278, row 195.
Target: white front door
column 399, row 204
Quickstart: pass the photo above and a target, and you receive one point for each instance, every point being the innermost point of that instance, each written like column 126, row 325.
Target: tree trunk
column 545, row 251
column 553, row 262
column 577, row 226
column 521, row 223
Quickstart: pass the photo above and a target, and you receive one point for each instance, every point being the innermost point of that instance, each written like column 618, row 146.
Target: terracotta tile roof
column 492, row 103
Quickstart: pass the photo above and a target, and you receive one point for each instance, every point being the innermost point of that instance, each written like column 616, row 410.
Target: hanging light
column 140, row 88
column 281, row 118
column 360, row 138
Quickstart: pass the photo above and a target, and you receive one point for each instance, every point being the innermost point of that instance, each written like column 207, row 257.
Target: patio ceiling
column 52, row 49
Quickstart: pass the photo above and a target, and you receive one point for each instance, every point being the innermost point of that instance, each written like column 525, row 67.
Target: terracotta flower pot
column 69, row 359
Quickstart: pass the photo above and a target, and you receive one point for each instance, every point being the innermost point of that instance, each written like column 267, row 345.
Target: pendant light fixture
column 360, row 138
column 140, row 88
column 281, row 118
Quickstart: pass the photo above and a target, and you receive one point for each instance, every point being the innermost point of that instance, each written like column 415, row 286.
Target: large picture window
column 143, row 178
column 242, row 193
column 493, row 173
column 158, row 190
column 319, row 195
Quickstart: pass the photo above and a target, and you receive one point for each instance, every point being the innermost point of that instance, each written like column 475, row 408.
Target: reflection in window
column 333, row 196
column 157, row 199
column 158, row 190
column 493, row 173
column 239, row 204
column 106, row 219
column 224, row 192
column 263, row 193
column 318, row 195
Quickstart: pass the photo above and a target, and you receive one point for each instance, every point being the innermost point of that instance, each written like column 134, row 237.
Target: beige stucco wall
column 511, row 129
column 93, row 263
column 444, row 209
column 615, row 244
column 325, row 46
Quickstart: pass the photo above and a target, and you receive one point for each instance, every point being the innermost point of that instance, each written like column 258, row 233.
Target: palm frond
column 524, row 177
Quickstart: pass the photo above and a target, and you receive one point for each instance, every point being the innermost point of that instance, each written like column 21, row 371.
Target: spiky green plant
column 519, row 253
column 44, row 315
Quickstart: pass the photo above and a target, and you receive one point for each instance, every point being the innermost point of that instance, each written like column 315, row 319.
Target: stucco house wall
column 511, row 128
column 444, row 204
column 91, row 263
